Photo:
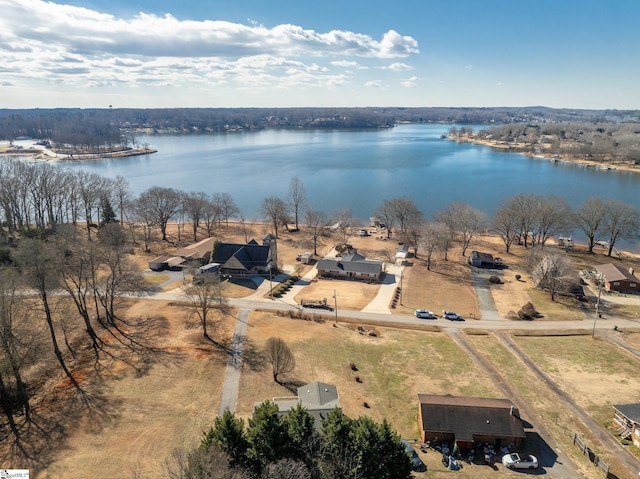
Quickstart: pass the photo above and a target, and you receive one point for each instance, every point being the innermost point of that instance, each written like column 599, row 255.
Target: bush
column 518, row 277
column 495, row 280
column 528, row 312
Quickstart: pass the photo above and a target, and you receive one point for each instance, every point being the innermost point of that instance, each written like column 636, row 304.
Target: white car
column 515, row 461
column 424, row 314
column 451, row 316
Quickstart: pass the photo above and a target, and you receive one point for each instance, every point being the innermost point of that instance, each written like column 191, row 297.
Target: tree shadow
column 292, row 385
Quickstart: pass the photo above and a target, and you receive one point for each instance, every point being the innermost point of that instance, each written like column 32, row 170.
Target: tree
column 226, row 206
column 506, row 224
column 228, row 434
column 621, row 222
column 162, row 203
column 17, row 340
column 194, row 206
column 316, row 223
column 37, row 261
column 301, row 433
column 108, row 215
column 463, row 220
column 551, row 272
column 275, row 210
column 280, row 357
column 202, row 295
column 346, row 224
column 297, row 197
column 433, row 238
column 406, row 213
column 590, row 217
column 266, row 437
column 385, row 214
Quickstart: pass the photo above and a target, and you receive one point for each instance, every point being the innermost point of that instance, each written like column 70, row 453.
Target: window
column 616, row 283
column 633, row 285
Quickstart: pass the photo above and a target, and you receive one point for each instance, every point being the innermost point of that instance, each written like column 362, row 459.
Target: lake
column 357, row 169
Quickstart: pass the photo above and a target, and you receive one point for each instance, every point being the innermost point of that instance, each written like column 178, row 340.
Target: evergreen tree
column 228, row 434
column 266, row 437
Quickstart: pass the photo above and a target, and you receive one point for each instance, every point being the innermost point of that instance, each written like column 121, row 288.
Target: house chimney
column 631, row 271
column 514, row 411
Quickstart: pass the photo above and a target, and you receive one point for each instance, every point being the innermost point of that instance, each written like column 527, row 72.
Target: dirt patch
column 350, row 294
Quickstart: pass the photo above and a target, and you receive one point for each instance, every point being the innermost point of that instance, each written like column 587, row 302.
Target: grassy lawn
column 557, row 418
column 393, row 368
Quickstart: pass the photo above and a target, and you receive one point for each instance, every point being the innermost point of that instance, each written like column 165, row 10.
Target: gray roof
column 246, row 256
column 318, row 394
column 484, row 257
column 630, row 411
column 351, row 263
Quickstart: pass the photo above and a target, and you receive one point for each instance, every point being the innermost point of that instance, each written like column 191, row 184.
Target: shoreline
column 47, row 154
column 505, row 147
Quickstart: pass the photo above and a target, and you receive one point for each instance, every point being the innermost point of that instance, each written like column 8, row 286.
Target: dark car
column 418, row 465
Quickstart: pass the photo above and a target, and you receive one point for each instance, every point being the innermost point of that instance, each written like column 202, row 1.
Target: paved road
column 234, row 365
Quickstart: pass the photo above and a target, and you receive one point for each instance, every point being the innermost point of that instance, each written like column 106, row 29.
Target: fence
column 586, row 450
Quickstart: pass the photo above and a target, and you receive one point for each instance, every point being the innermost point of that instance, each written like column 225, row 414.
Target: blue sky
column 277, row 53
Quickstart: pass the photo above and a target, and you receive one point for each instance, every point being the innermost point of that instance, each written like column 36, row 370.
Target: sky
column 331, row 53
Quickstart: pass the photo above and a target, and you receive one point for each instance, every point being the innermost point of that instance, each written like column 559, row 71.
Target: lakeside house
column 246, row 259
column 194, row 255
column 351, row 266
column 484, row 260
column 627, row 418
column 619, row 279
column 469, row 421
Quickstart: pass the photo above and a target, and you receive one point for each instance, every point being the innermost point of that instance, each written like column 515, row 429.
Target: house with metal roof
column 245, row 259
column 469, row 421
column 351, row 266
column 193, row 255
column 619, row 279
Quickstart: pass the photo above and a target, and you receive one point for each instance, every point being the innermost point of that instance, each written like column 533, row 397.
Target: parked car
column 418, row 465
column 451, row 316
column 424, row 314
column 515, row 461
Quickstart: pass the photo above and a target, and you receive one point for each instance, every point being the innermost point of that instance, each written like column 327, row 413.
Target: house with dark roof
column 244, row 259
column 318, row 398
column 619, row 279
column 351, row 266
column 193, row 255
column 482, row 260
column 627, row 419
column 469, row 421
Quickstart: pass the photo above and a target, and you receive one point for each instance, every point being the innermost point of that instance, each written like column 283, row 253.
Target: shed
column 481, row 260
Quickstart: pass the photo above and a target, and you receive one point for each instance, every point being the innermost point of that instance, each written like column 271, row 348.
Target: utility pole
column 335, row 304
column 401, row 273
column 600, row 283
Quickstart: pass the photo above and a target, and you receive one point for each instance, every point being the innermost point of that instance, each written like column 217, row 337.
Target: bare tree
column 297, row 197
column 385, row 214
column 227, row 207
column 463, row 220
column 506, row 224
column 194, row 206
column 280, row 357
column 316, row 222
column 122, row 193
column 275, row 210
column 621, row 222
column 406, row 213
column 433, row 238
column 162, row 203
column 203, row 295
column 552, row 272
column 346, row 224
column 37, row 261
column 590, row 217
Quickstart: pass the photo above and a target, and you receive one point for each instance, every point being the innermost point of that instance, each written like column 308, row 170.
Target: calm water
column 358, row 169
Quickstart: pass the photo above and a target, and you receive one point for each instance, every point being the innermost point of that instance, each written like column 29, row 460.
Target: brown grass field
column 144, row 404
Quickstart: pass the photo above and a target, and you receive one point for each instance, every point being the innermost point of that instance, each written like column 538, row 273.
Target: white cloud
column 374, row 84
column 468, row 67
column 46, row 42
column 410, row 82
column 398, row 67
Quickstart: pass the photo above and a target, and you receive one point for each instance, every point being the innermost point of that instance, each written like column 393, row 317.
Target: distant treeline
column 107, row 127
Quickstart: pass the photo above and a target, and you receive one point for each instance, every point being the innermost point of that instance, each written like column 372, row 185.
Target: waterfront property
column 246, row 259
column 194, row 255
column 469, row 421
column 619, row 279
column 351, row 266
column 627, row 419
